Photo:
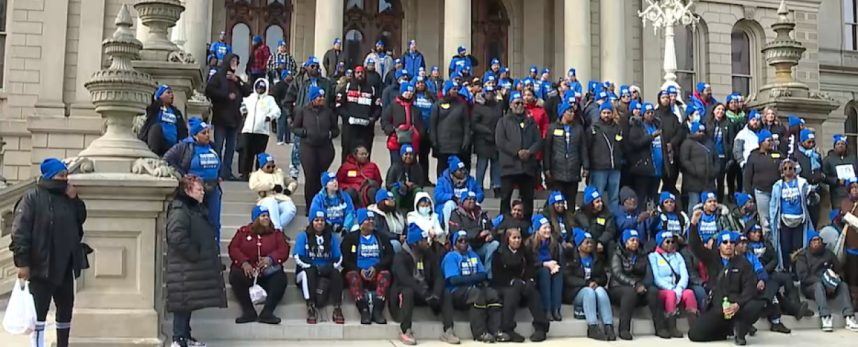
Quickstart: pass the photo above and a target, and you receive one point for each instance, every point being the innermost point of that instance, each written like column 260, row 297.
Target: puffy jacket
column 298, row 91
column 473, row 222
column 450, row 126
column 697, row 160
column 566, row 152
column 638, row 149
column 193, row 275
column 430, row 224
column 744, row 142
column 47, row 232
column 358, row 103
column 537, row 112
column 412, row 62
column 809, row 266
column 628, row 268
column 605, row 141
column 399, row 173
column 247, row 246
column 485, row 121
column 265, row 184
column 353, row 174
column 383, row 62
column 514, row 133
column 446, row 190
column 390, row 224
column 316, row 126
column 225, row 111
column 601, row 225
column 665, row 268
column 351, row 244
column 573, row 273
column 761, row 171
column 261, row 109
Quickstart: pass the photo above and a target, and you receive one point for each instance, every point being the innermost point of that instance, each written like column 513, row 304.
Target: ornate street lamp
column 665, row 14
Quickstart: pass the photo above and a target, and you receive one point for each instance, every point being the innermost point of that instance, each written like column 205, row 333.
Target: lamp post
column 665, row 14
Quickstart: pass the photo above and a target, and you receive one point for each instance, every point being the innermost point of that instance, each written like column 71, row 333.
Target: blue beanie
column 363, row 214
column 733, row 97
column 556, row 197
column 263, row 158
column 258, row 211
column 562, row 107
column 516, row 95
column 580, row 235
column 630, row 233
column 741, row 198
column 591, row 194
column 453, row 162
column 337, row 40
column 467, row 194
column 457, row 235
column 311, row 60
column 647, row 107
column 624, row 90
column 660, row 237
column 701, row 86
column 691, row 108
column 257, row 39
column 495, row 61
column 592, row 86
column 572, row 72
column 449, row 84
column 672, row 90
column 794, row 121
column 850, row 181
column 606, row 106
column 602, row 95
column 415, row 235
column 285, row 74
column 754, row 114
column 806, row 134
column 705, row 196
column 405, row 148
column 839, row 138
column 399, row 74
column 725, row 235
column 383, row 194
column 379, row 43
column 635, row 105
column 664, row 196
column 317, row 212
column 763, row 135
column 697, row 127
column 327, row 177
column 163, row 88
column 314, row 93
column 51, row 167
column 461, row 49
column 406, row 87
column 536, row 222
column 196, row 125
column 812, row 234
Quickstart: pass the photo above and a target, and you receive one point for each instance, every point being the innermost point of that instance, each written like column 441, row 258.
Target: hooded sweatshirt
column 428, row 222
column 260, row 110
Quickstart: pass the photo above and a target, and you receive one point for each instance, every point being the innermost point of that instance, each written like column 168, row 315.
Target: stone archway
column 368, row 21
column 271, row 19
column 489, row 33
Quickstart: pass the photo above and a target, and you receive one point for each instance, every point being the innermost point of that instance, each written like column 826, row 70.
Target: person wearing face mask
column 451, row 184
column 226, row 92
column 838, row 166
column 424, row 218
column 389, row 220
column 470, row 217
column 790, row 216
column 518, row 139
column 318, row 262
column 809, row 163
column 405, row 177
column 359, row 177
column 698, row 162
column 367, row 256
column 165, row 126
column 337, row 204
column 316, row 126
column 402, row 123
column 744, row 215
column 193, row 277
column 584, row 280
column 487, row 113
column 629, row 266
column 670, row 280
column 820, row 274
column 274, row 189
column 259, row 109
column 513, row 277
column 47, row 249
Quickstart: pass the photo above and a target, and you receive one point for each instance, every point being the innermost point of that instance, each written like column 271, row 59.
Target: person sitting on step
column 274, row 189
column 318, row 262
column 820, row 274
column 389, row 221
column 337, row 204
column 405, row 178
column 257, row 252
column 359, row 177
column 452, row 182
column 584, row 279
column 367, row 256
column 471, row 218
column 670, row 279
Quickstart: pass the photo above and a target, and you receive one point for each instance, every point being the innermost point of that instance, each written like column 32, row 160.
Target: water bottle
column 724, row 305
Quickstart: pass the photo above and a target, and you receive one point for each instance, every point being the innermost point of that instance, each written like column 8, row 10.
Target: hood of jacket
column 421, row 195
column 264, row 82
column 224, row 64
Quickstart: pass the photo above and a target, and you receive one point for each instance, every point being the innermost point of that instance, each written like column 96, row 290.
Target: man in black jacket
column 838, row 159
column 605, row 138
column 450, row 127
column 733, row 284
column 333, row 57
column 820, row 275
column 487, row 112
column 418, row 279
column 279, row 93
column 518, row 139
column 565, row 152
column 226, row 92
column 359, row 106
column 46, row 246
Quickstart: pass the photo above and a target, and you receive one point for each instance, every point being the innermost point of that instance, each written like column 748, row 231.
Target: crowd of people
column 736, row 241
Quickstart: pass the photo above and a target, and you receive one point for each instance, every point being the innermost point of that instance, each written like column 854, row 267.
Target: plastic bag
column 20, row 318
column 257, row 294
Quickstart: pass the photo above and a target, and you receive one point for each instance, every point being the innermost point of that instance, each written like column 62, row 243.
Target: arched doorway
column 367, row 21
column 850, row 127
column 489, row 30
column 270, row 19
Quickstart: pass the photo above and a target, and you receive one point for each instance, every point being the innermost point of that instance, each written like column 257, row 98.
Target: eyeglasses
column 314, row 66
column 728, row 242
column 789, row 168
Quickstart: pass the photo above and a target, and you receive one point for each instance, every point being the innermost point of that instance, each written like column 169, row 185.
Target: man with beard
column 514, row 219
column 518, row 139
column 746, row 139
column 383, row 61
column 359, row 106
column 436, row 82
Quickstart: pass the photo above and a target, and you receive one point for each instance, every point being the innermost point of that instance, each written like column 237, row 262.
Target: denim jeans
column 550, row 289
column 693, row 200
column 593, row 301
column 841, row 294
column 494, row 173
column 295, row 168
column 213, row 204
column 608, row 184
column 699, row 295
column 762, row 198
column 229, row 136
column 486, row 253
column 283, row 127
column 446, row 211
column 397, row 246
column 181, row 325
column 281, row 212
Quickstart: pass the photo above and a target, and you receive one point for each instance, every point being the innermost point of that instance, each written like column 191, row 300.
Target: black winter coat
column 601, row 225
column 47, row 232
column 350, row 246
column 514, row 133
column 829, row 168
column 573, row 273
column 297, row 94
column 405, row 267
column 625, row 272
column 151, row 131
column 727, row 133
column 401, row 173
column 761, row 171
column 698, row 166
column 394, row 115
column 638, row 149
column 486, row 117
column 450, row 126
column 508, row 266
column 330, row 60
column 226, row 112
column 810, row 266
column 812, row 176
column 316, row 126
column 474, row 223
column 194, row 279
column 672, row 134
column 738, row 282
column 605, row 141
column 565, row 165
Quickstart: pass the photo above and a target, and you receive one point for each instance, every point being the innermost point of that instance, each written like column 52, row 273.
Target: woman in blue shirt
column 585, row 279
column 318, row 261
column 165, row 126
column 337, row 204
column 548, row 259
column 790, row 219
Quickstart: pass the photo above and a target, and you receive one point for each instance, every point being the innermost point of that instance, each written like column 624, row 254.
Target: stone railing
column 8, row 198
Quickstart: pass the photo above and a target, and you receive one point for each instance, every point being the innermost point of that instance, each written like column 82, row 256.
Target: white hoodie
column 260, row 109
column 429, row 224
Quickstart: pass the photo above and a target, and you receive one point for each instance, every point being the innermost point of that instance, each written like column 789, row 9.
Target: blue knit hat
column 461, row 49
column 672, row 90
column 379, row 43
column 812, row 234
column 580, row 235
column 806, row 134
column 327, row 177
column 602, row 95
column 163, row 88
column 400, row 74
column 630, row 233
column 592, row 86
column 363, row 214
column 647, row 107
column 838, row 138
column 284, row 74
column 50, row 167
column 664, row 196
column 691, row 108
column 701, row 86
column 383, row 194
column 317, row 212
column 635, row 105
column 794, row 121
column 536, row 222
column 264, row 158
column 624, row 90
column 258, row 211
column 454, row 163
column 725, row 235
column 196, row 125
column 457, row 235
column 763, row 135
column 406, row 87
column 606, row 107
column 754, row 114
column 591, row 194
column 467, row 194
column 405, row 148
column 660, row 237
column 495, row 61
column 697, row 127
column 733, row 97
column 516, row 95
column 705, row 196
column 257, row 39
column 572, row 72
column 449, row 84
column 315, row 93
column 337, row 40
column 311, row 60
column 415, row 235
column 741, row 198
column 556, row 197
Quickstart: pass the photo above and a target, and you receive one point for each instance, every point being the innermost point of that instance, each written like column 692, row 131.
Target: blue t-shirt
column 205, row 163
column 458, row 264
column 424, row 104
column 657, row 154
column 318, row 255
column 169, row 130
column 791, row 198
column 708, row 226
column 368, row 252
column 670, row 222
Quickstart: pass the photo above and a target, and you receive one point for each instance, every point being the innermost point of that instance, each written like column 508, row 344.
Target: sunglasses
column 727, row 242
column 461, row 241
column 668, row 241
column 789, row 168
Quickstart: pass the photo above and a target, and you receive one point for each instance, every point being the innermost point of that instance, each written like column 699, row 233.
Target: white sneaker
column 827, row 323
column 281, row 143
column 851, row 323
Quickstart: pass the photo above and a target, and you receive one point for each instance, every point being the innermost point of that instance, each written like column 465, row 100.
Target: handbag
column 257, row 293
column 404, row 136
column 830, row 280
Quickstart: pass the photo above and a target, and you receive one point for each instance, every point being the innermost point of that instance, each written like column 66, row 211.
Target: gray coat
column 514, row 133
column 194, row 279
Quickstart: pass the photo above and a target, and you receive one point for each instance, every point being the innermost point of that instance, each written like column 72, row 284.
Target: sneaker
column 179, row 344
column 338, row 316
column 779, row 328
column 851, row 323
column 502, row 337
column 407, row 338
column 281, row 143
column 515, row 337
column 192, row 342
column 487, row 338
column 449, row 336
column 827, row 324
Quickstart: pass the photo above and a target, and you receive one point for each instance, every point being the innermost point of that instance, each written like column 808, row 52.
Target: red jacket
column 352, row 175
column 246, row 246
column 540, row 117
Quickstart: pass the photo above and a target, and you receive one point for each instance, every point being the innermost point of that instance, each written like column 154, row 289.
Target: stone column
column 613, row 47
column 577, row 46
column 457, row 30
column 197, row 24
column 329, row 25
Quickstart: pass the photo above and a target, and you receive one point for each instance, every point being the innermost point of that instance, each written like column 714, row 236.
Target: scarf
column 815, row 158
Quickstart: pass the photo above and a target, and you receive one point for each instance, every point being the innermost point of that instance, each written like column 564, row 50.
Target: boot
column 625, row 328
column 311, row 313
column 671, row 327
column 609, row 332
column 691, row 317
column 338, row 315
column 378, row 311
column 595, row 333
column 267, row 316
column 365, row 316
column 538, row 335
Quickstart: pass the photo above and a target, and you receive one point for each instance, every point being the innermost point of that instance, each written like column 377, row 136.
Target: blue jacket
column 762, row 275
column 630, row 221
column 663, row 276
column 462, row 270
column 413, row 62
column 445, row 191
column 458, row 63
column 307, row 255
column 339, row 210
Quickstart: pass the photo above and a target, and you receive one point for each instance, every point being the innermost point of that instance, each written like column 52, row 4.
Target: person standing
column 281, row 60
column 257, row 65
column 383, row 61
column 450, row 128
column 673, row 134
column 790, row 216
column 46, row 247
column 298, row 96
column 226, row 92
column 165, row 126
column 487, row 112
column 761, row 171
column 460, row 62
column 604, row 138
column 518, row 139
column 402, row 123
column 809, row 167
column 278, row 91
column 697, row 160
column 424, row 99
column 316, row 126
column 193, row 276
column 220, row 49
column 413, row 60
column 839, row 166
column 359, row 106
column 645, row 154
column 720, row 130
column 333, row 57
column 565, row 151
column 260, row 109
